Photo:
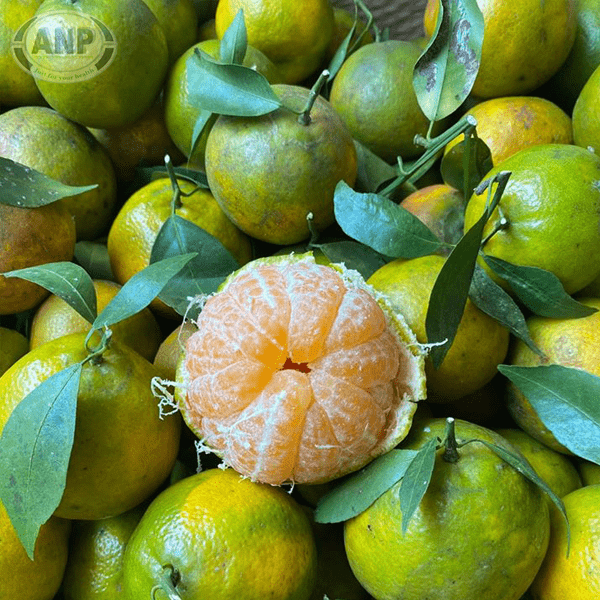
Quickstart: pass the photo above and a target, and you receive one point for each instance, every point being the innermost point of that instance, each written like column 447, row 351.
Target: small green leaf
column 67, row 280
column 234, row 42
column 35, row 448
column 359, row 491
column 447, row 68
column 229, row 89
column 201, row 275
column 24, row 187
column 540, row 290
column 381, row 224
column 204, row 122
column 416, row 481
column 490, row 298
column 94, row 258
column 140, row 290
column 466, row 164
column 566, row 401
column 373, row 172
column 354, row 255
column 522, row 466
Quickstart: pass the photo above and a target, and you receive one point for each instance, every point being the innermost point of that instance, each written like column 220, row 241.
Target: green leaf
column 373, row 172
column 94, row 258
column 566, row 401
column 450, row 292
column 447, row 68
column 540, row 290
column 204, row 122
column 490, row 298
column 35, row 448
column 201, row 275
column 522, row 466
column 466, row 164
column 416, row 481
column 234, row 42
column 140, row 290
column 24, row 187
column 354, row 255
column 360, row 490
column 229, row 89
column 381, row 224
column 67, row 280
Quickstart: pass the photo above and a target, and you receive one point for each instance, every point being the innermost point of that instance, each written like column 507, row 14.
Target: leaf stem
column 434, row 145
column 451, row 445
column 304, row 116
column 168, row 582
column 95, row 354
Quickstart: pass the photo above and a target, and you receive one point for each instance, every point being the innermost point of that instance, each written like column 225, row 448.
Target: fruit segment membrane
column 294, row 373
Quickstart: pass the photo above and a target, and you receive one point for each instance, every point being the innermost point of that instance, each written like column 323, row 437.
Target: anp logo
column 64, row 46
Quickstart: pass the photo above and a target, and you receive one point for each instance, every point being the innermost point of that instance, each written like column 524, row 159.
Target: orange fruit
column 123, row 84
column 566, row 84
column 297, row 373
column 37, row 579
column 574, row 575
column 17, row 86
column 122, row 450
column 95, row 565
column 136, row 226
column 144, row 142
column 268, row 173
column 550, row 185
column 218, row 535
column 480, row 531
column 179, row 21
column 373, row 93
column 441, row 208
column 294, row 35
column 44, row 140
column 511, row 123
column 568, row 342
column 480, row 343
column 172, row 349
column 30, row 237
column 586, row 132
column 181, row 113
column 589, row 471
column 13, row 345
column 524, row 43
column 55, row 318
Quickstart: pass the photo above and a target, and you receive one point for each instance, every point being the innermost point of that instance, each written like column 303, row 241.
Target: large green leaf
column 140, row 290
column 360, row 490
column 64, row 279
column 446, row 71
column 203, row 274
column 35, row 448
column 566, row 400
column 228, row 89
column 540, row 290
column 24, row 187
column 382, row 224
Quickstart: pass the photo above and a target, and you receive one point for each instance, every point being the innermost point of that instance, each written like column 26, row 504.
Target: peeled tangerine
column 299, row 372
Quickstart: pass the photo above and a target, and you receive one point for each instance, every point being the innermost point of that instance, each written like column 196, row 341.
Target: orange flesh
column 292, row 373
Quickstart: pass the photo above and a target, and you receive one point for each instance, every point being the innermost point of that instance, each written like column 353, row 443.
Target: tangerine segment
column 294, row 373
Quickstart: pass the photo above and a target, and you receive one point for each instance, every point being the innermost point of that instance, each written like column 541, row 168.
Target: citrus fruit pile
column 293, row 306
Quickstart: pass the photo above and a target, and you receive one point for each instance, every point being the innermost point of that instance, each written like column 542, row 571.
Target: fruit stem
column 451, row 446
column 176, row 202
column 95, row 354
column 304, row 116
column 169, row 580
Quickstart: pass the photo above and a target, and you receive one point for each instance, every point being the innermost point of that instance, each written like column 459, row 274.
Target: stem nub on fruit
column 304, row 117
column 451, row 445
